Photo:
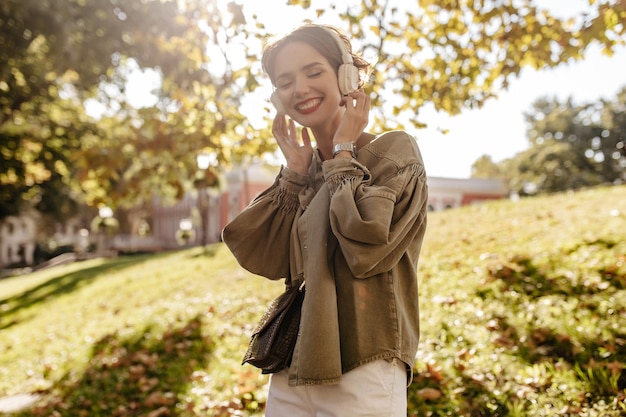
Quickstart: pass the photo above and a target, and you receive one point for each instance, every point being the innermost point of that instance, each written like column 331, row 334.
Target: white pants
column 376, row 389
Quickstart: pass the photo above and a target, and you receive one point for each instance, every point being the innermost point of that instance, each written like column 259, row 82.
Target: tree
column 485, row 167
column 57, row 57
column 571, row 146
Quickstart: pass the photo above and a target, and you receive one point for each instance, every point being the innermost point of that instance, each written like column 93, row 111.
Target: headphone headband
column 346, row 56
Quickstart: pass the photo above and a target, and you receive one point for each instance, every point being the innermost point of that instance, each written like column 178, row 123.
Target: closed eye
column 283, row 86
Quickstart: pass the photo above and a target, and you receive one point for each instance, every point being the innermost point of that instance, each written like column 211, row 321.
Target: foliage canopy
column 571, row 146
column 58, row 58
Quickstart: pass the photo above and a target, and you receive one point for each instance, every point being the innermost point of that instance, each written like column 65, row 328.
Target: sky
column 498, row 129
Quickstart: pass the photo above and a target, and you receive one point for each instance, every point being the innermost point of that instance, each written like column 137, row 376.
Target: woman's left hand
column 355, row 118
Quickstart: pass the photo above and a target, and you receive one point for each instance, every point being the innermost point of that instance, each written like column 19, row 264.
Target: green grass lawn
column 523, row 314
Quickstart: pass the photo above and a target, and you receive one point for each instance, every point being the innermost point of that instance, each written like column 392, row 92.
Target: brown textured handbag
column 272, row 342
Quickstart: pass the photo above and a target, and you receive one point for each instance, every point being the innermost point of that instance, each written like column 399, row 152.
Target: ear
column 278, row 105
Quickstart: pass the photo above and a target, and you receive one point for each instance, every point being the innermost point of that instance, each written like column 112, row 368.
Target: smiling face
column 307, row 86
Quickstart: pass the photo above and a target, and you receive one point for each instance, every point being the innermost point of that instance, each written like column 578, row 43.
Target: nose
column 301, row 86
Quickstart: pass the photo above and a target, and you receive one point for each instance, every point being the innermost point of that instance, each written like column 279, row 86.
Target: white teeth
column 309, row 104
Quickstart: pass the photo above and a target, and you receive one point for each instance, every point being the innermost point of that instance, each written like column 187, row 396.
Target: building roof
column 468, row 185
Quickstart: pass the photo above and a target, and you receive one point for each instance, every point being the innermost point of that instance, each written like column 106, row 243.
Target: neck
column 324, row 135
column 325, row 146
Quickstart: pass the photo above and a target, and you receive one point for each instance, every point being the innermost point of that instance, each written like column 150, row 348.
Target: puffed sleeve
column 259, row 236
column 376, row 215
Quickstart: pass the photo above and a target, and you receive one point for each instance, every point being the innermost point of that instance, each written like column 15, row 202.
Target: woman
column 348, row 217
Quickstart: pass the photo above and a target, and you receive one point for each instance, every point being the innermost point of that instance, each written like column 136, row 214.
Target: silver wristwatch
column 345, row 146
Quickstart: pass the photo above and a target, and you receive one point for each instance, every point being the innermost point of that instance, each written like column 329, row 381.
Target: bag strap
column 299, row 281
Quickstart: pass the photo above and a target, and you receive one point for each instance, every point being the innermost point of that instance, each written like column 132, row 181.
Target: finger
column 365, row 102
column 306, row 138
column 362, row 101
column 356, row 93
column 293, row 131
column 279, row 131
column 359, row 98
column 348, row 101
column 278, row 127
column 283, row 144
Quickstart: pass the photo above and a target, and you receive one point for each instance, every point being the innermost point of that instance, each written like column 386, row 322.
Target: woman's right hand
column 298, row 155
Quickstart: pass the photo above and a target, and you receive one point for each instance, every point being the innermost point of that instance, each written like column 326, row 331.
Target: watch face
column 349, row 146
column 345, row 146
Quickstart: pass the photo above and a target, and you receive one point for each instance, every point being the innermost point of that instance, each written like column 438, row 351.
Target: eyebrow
column 304, row 68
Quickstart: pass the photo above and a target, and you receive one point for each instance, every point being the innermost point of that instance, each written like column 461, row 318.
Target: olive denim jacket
column 353, row 229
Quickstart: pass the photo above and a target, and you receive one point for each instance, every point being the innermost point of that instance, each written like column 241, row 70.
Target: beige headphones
column 347, row 75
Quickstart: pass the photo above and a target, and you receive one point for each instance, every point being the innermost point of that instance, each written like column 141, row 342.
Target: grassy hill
column 523, row 314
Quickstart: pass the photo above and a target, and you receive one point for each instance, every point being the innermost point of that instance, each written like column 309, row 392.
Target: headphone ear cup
column 348, row 77
column 278, row 105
